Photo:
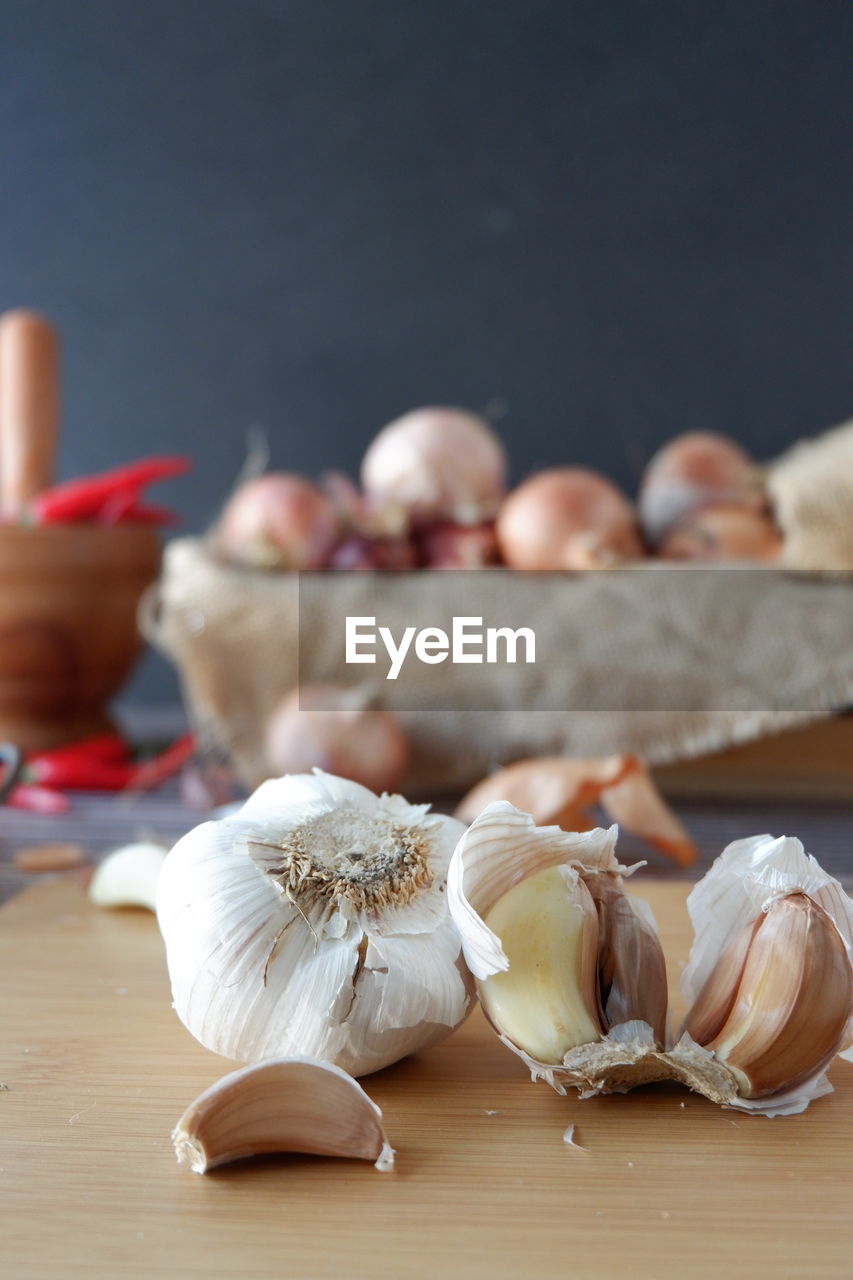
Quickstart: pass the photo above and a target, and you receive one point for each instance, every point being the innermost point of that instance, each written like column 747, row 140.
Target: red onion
column 567, row 518
column 278, row 521
column 367, row 746
column 457, row 546
column 378, row 553
column 695, row 470
column 439, row 464
column 723, row 533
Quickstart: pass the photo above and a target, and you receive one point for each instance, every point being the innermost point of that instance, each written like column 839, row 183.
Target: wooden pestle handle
column 29, row 408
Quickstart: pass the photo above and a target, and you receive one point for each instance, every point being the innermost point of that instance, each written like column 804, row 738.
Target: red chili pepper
column 38, row 799
column 149, row 513
column 106, row 746
column 78, row 773
column 84, row 499
column 163, row 766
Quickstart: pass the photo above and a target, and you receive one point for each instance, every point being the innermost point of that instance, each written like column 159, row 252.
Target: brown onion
column 567, row 518
column 695, row 470
column 329, row 728
column 723, row 533
column 279, row 521
column 458, row 546
column 439, row 464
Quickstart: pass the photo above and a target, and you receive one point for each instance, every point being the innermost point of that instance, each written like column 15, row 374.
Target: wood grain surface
column 98, row 1070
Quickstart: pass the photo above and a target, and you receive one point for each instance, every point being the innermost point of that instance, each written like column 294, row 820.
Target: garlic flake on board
column 314, row 923
column 569, row 968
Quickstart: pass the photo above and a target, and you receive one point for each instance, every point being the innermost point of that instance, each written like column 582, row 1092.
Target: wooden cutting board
column 98, row 1069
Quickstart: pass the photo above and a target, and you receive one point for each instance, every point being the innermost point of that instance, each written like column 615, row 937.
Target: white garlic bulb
column 314, row 922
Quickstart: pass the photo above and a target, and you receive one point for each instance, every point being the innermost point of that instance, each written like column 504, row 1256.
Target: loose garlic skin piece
column 545, row 1001
column 314, row 923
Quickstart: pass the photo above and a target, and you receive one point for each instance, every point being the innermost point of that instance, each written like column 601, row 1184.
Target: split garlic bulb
column 569, row 967
column 314, row 923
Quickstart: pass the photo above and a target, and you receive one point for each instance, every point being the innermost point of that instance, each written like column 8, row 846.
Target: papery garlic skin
column 314, row 923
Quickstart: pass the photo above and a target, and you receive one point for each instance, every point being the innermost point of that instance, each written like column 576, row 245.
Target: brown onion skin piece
column 567, row 518
column 318, row 727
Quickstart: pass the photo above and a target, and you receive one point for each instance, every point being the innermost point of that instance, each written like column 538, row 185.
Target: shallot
column 459, row 546
column 439, row 464
column 723, row 533
column 319, row 726
column 567, row 518
column 694, row 470
column 279, row 521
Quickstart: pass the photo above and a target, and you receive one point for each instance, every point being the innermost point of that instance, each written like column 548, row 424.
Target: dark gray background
column 607, row 222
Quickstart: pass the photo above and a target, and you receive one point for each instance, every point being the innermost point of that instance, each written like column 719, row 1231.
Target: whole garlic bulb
column 314, row 923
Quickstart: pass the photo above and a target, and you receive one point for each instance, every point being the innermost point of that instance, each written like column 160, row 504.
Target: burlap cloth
column 665, row 663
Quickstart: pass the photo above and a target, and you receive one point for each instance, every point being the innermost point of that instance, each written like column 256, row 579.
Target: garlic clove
column 793, row 1002
column 713, row 1005
column 545, row 1001
column 631, row 966
column 289, row 1105
column 128, row 877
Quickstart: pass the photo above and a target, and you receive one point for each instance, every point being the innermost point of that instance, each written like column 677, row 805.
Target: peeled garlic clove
column 793, row 1002
column 545, row 1002
column 128, row 877
column 287, row 1105
column 631, row 966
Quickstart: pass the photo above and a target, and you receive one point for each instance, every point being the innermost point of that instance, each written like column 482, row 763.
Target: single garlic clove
column 128, row 877
column 284, row 1105
column 545, row 1002
column 793, row 1002
column 713, row 1005
column 631, row 966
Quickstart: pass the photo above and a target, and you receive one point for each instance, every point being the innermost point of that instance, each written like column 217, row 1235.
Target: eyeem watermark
column 468, row 641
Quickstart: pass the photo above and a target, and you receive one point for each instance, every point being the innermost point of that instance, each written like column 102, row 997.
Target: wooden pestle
column 29, row 408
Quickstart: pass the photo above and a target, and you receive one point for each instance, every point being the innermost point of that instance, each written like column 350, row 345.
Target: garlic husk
column 766, row 904
column 314, row 923
column 128, row 877
column 503, row 848
column 288, row 1105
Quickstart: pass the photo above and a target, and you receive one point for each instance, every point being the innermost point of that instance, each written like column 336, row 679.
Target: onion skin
column 567, row 518
column 696, row 470
column 721, row 534
column 278, row 521
column 364, row 745
column 439, row 464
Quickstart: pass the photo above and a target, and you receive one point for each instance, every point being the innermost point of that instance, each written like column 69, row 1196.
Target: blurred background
column 598, row 224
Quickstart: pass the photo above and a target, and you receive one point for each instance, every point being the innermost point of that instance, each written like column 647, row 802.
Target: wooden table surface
column 98, row 1069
